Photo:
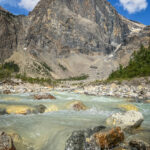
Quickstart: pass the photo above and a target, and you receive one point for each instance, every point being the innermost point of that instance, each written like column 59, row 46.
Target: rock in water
column 6, row 142
column 77, row 106
column 44, row 96
column 95, row 139
column 40, row 108
column 129, row 120
column 109, row 139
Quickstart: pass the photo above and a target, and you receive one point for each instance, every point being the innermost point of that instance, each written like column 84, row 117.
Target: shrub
column 139, row 66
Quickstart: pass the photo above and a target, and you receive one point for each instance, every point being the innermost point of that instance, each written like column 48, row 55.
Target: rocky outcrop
column 9, row 30
column 6, row 142
column 129, row 120
column 94, row 139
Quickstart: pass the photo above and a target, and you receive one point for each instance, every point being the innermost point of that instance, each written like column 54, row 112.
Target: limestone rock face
column 129, row 120
column 9, row 29
column 64, row 38
column 64, row 27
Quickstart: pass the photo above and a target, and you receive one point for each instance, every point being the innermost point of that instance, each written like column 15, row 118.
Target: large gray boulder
column 128, row 120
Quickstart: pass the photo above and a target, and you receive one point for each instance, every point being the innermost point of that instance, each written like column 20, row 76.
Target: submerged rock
column 128, row 107
column 3, row 111
column 40, row 108
column 16, row 109
column 129, row 120
column 44, row 96
column 110, row 138
column 76, row 105
column 51, row 108
column 6, row 142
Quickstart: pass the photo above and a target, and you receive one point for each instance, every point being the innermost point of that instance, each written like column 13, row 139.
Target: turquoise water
column 50, row 130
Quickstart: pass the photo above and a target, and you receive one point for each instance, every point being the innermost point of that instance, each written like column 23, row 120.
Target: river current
column 50, row 130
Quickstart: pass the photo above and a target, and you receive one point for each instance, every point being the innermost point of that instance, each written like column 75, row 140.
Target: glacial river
column 50, row 130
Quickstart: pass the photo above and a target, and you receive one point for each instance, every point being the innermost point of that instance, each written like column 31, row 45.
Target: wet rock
column 16, row 109
column 40, row 108
column 129, row 120
column 77, row 106
column 15, row 137
column 6, row 92
column 109, row 139
column 6, row 142
column 138, row 145
column 51, row 108
column 128, row 107
column 43, row 96
column 80, row 140
column 3, row 111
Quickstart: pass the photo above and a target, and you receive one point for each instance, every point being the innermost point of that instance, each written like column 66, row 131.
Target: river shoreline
column 140, row 92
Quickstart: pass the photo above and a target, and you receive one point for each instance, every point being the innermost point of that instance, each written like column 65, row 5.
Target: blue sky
column 138, row 10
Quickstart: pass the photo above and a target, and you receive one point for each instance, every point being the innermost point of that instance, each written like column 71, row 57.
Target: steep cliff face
column 67, row 26
column 70, row 37
column 9, row 27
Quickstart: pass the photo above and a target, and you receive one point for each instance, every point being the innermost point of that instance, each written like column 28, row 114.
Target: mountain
column 63, row 38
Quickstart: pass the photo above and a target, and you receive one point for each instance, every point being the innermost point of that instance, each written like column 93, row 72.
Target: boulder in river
column 95, row 139
column 80, row 140
column 128, row 107
column 110, row 138
column 128, row 120
column 3, row 111
column 6, row 142
column 43, row 96
column 76, row 105
column 19, row 109
column 40, row 108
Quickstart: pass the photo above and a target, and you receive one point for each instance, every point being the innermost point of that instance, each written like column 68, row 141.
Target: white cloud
column 133, row 6
column 28, row 4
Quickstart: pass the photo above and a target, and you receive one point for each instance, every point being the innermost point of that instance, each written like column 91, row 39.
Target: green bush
column 77, row 78
column 11, row 66
column 139, row 66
